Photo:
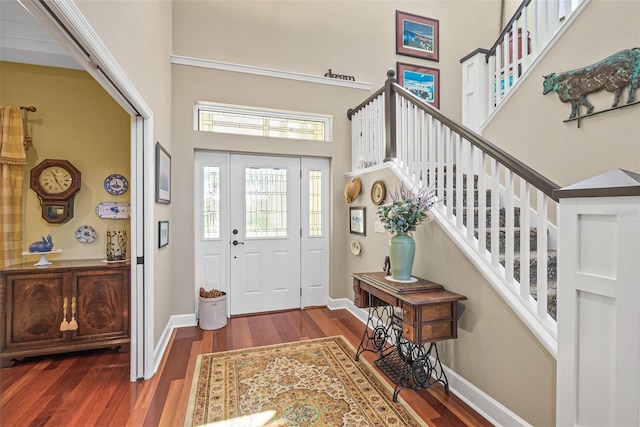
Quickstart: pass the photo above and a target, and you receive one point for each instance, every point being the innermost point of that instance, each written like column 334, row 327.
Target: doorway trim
column 69, row 27
column 315, row 256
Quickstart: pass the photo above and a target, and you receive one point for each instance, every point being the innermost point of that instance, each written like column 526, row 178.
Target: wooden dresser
column 33, row 300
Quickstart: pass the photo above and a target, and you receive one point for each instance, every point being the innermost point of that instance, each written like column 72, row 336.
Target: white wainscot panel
column 596, row 371
column 598, row 243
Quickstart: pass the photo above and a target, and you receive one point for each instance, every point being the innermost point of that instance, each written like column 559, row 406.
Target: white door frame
column 68, row 26
column 315, row 257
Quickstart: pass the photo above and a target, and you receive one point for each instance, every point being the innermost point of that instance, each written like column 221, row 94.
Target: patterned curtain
column 12, row 161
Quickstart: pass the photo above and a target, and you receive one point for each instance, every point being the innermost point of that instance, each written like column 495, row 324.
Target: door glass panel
column 315, row 203
column 266, row 202
column 211, row 214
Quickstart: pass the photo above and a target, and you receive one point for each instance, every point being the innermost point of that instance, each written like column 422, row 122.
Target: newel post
column 598, row 366
column 475, row 89
column 390, row 116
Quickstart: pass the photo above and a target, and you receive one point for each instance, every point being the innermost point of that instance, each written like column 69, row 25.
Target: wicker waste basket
column 213, row 312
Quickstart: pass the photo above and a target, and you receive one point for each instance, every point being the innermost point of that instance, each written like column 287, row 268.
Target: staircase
column 551, row 255
column 505, row 197
column 512, row 237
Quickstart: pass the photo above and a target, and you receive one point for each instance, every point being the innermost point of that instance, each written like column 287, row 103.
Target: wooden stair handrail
column 392, row 88
column 507, row 28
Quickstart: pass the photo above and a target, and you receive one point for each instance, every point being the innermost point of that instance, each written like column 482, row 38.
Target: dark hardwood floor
column 93, row 388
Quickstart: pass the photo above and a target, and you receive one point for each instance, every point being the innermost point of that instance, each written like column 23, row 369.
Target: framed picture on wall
column 417, row 36
column 163, row 175
column 424, row 82
column 357, row 221
column 163, row 233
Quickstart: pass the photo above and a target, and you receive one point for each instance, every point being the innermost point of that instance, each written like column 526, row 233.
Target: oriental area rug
column 306, row 383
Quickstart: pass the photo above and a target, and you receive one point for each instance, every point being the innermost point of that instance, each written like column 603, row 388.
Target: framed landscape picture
column 417, row 36
column 424, row 82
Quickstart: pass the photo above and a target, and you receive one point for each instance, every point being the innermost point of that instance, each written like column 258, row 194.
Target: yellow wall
column 76, row 120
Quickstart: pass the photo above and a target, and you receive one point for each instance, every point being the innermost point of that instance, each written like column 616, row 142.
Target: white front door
column 265, row 233
column 251, row 212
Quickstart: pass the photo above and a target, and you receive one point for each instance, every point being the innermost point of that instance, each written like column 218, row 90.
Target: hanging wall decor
column 417, row 36
column 423, row 82
column 613, row 74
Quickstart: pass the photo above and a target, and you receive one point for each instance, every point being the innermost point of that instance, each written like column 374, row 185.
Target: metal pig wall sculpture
column 612, row 74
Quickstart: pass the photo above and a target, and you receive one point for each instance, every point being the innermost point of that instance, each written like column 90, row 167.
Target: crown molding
column 267, row 72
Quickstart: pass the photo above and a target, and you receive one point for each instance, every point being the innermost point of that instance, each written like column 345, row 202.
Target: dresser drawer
column 428, row 332
column 427, row 313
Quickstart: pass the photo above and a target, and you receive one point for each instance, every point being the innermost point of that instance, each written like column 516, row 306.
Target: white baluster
column 449, row 159
column 525, row 239
column 542, row 254
column 482, row 204
column 495, row 213
column 508, row 230
column 468, row 150
column 459, row 186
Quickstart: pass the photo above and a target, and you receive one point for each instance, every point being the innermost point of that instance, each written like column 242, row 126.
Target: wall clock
column 56, row 183
column 378, row 192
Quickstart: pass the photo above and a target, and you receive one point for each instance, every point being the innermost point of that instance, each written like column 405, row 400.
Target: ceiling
column 23, row 39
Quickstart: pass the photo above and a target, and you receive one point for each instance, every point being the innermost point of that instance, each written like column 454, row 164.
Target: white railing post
column 598, row 370
column 475, row 102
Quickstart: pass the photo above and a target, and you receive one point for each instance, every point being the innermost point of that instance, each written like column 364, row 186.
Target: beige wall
column 196, row 84
column 138, row 36
column 352, row 38
column 494, row 350
column 530, row 126
column 494, row 347
column 355, row 38
column 76, row 120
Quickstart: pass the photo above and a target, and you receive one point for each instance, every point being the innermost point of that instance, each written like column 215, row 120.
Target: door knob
column 236, row 243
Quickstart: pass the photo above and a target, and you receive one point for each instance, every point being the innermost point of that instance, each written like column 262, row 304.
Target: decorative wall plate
column 355, row 247
column 113, row 210
column 116, row 184
column 86, row 234
column 378, row 192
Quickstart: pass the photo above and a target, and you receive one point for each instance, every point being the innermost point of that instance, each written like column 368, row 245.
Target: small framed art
column 423, row 82
column 163, row 175
column 163, row 233
column 357, row 221
column 417, row 36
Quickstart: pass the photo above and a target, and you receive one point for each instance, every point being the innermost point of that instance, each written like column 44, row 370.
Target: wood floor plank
column 93, row 388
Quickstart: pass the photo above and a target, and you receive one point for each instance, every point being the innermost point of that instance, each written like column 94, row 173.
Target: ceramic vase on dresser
column 402, row 250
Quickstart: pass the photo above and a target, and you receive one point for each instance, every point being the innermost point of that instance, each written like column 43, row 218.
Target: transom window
column 261, row 122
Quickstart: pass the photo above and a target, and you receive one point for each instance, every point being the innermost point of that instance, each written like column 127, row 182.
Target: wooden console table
column 403, row 317
column 63, row 307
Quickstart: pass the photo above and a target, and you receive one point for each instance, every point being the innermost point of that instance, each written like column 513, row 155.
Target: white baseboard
column 177, row 321
column 481, row 402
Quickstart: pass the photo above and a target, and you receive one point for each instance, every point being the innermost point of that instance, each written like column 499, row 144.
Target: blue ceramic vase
column 402, row 250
